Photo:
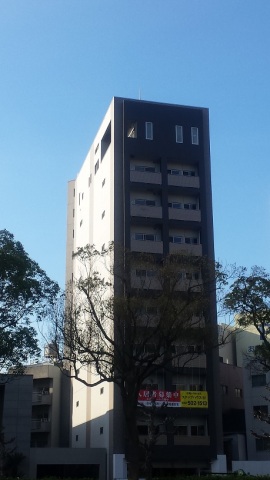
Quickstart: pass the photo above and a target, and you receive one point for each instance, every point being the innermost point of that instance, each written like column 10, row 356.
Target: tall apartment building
column 146, row 185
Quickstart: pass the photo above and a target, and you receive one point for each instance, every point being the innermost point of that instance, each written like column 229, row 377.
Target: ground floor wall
column 69, row 462
column 252, row 467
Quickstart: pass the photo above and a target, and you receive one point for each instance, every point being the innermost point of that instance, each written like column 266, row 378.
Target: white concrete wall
column 252, row 467
column 94, row 225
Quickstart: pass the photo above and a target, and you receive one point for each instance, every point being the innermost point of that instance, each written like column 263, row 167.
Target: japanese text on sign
column 194, row 399
column 159, row 398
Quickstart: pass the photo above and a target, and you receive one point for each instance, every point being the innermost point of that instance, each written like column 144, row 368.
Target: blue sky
column 61, row 62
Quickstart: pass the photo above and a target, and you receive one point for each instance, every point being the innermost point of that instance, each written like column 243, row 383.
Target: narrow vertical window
column 96, row 166
column 179, row 134
column 194, row 136
column 149, row 130
column 132, row 131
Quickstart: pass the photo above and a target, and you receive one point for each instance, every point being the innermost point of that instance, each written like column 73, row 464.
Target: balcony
column 39, row 398
column 191, row 440
column 162, row 440
column 186, row 249
column 185, row 215
column 40, row 425
column 183, row 181
column 145, row 177
column 146, row 246
column 197, row 362
column 145, row 211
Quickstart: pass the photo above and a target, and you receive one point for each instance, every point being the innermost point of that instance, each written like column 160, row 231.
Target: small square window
column 197, row 430
column 77, row 403
column 224, row 389
column 238, row 392
column 101, row 390
column 103, row 182
column 179, row 134
column 262, row 444
column 194, row 136
column 103, row 214
column 149, row 130
column 258, row 380
column 77, row 438
column 260, row 412
column 101, row 430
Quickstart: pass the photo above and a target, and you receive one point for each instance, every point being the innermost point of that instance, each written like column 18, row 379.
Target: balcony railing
column 145, row 211
column 145, row 177
column 182, row 181
column 186, row 215
column 39, row 398
column 40, row 425
column 146, row 246
column 186, row 249
column 191, row 440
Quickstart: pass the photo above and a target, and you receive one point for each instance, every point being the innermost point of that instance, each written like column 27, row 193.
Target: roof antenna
column 140, row 94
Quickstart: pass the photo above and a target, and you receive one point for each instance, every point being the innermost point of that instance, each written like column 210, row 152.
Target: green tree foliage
column 249, row 300
column 25, row 294
column 130, row 315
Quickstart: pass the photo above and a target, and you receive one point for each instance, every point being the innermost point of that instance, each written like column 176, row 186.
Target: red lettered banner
column 159, row 397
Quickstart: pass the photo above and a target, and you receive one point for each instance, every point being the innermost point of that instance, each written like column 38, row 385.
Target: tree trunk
column 133, row 451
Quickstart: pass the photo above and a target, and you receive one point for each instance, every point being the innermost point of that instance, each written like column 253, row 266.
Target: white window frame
column 145, row 168
column 194, row 135
column 146, row 237
column 144, row 202
column 176, row 205
column 179, row 239
column 178, row 133
column 149, row 130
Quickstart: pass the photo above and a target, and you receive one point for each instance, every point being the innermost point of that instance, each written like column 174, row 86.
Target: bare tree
column 129, row 315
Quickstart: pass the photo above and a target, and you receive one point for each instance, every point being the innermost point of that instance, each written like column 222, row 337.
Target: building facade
column 35, row 422
column 146, row 185
column 255, row 394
